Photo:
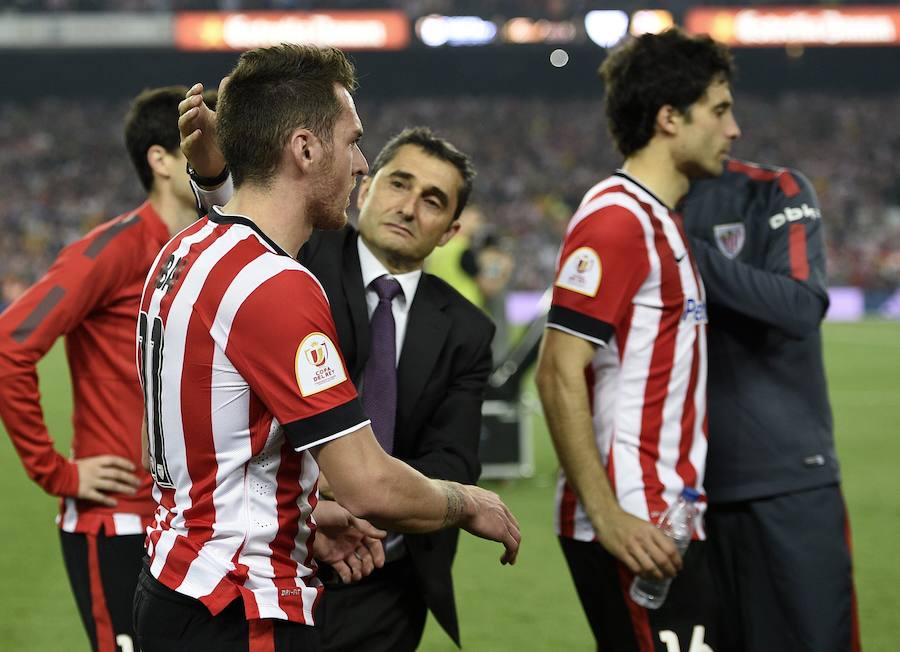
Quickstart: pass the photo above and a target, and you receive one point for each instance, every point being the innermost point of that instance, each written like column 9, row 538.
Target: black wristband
column 207, row 182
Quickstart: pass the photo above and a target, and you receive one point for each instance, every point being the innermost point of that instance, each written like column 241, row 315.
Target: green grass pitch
column 531, row 606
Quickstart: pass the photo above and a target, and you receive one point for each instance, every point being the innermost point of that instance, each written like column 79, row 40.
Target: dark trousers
column 103, row 572
column 384, row 612
column 786, row 573
column 167, row 621
column 689, row 615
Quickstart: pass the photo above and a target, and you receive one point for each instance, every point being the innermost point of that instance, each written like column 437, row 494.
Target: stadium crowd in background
column 550, row 9
column 55, row 192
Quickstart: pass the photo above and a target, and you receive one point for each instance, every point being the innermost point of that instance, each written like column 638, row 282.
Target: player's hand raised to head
column 105, row 474
column 197, row 126
column 640, row 545
column 485, row 515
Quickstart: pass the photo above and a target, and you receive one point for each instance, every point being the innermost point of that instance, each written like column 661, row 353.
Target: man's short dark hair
column 652, row 71
column 273, row 91
column 152, row 120
column 435, row 146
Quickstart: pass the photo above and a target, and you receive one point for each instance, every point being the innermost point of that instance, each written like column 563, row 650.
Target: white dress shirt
column 371, row 269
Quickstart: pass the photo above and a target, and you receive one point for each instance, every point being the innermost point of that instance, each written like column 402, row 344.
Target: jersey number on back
column 151, row 351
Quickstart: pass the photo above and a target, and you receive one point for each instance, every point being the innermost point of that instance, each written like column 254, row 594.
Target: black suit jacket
column 441, row 377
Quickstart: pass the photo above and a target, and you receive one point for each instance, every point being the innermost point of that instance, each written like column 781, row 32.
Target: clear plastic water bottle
column 678, row 523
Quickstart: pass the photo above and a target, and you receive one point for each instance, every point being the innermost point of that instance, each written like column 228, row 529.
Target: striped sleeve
column 283, row 341
column 602, row 265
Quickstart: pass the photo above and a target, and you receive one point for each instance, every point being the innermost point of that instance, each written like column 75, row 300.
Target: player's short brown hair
column 655, row 70
column 273, row 91
column 435, row 146
column 152, row 119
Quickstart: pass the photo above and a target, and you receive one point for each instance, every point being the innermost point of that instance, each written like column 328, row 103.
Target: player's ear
column 156, row 159
column 304, row 148
column 668, row 119
column 363, row 191
column 451, row 231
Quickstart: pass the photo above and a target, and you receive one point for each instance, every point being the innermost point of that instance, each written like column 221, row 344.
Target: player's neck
column 280, row 215
column 654, row 168
column 175, row 213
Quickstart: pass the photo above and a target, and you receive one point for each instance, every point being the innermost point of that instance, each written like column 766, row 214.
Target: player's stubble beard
column 328, row 205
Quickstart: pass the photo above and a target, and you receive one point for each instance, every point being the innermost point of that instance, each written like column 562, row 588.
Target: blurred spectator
column 480, row 268
column 62, row 170
column 11, row 288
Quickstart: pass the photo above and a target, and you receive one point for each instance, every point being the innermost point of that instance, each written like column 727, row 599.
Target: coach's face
column 344, row 162
column 407, row 208
column 706, row 132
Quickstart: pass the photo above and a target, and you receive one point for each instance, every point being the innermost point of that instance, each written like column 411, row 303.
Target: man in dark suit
column 409, row 204
column 417, row 187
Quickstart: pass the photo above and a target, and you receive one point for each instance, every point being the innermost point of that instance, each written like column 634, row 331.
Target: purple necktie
column 379, row 391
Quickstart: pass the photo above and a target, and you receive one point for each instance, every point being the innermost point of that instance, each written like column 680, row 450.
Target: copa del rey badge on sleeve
column 581, row 272
column 318, row 365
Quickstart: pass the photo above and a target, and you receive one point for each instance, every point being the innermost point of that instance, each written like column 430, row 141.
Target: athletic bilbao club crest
column 316, row 353
column 317, row 364
column 729, row 238
column 581, row 272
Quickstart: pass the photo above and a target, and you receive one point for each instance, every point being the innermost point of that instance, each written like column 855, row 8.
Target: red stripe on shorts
column 262, row 635
column 855, row 645
column 640, row 619
column 106, row 638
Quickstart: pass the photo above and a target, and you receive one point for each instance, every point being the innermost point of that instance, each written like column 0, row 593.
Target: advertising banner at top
column 782, row 26
column 348, row 30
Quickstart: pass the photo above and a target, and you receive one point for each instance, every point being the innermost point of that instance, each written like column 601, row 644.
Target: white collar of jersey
column 622, row 173
column 216, row 215
column 372, row 268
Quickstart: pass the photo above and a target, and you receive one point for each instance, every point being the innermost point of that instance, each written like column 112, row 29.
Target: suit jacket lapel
column 351, row 278
column 426, row 332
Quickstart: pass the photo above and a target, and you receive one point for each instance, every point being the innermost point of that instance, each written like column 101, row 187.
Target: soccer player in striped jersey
column 622, row 369
column 246, row 394
column 777, row 519
column 90, row 296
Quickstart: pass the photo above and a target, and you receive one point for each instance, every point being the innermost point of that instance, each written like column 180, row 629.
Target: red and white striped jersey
column 626, row 282
column 241, row 377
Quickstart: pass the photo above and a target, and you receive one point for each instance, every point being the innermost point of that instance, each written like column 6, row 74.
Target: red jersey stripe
column 661, row 364
column 788, row 183
column 797, row 251
column 684, row 467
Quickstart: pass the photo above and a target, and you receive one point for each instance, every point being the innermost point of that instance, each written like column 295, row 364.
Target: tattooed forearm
column 455, row 504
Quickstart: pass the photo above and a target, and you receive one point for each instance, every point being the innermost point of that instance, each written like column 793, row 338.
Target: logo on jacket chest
column 730, row 238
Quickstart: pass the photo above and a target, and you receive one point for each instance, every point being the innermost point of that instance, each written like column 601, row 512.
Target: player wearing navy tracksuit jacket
column 777, row 518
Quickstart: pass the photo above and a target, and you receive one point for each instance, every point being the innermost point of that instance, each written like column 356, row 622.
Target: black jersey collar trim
column 217, row 216
column 625, row 175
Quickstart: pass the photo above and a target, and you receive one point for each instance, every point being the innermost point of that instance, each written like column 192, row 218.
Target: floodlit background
column 512, row 83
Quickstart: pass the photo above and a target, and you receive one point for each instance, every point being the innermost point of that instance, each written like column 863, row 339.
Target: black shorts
column 168, row 621
column 786, row 573
column 103, row 572
column 688, row 616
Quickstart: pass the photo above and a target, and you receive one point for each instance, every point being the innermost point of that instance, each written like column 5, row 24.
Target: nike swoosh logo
column 678, row 259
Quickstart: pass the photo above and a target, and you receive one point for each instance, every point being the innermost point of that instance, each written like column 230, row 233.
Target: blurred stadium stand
column 63, row 170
